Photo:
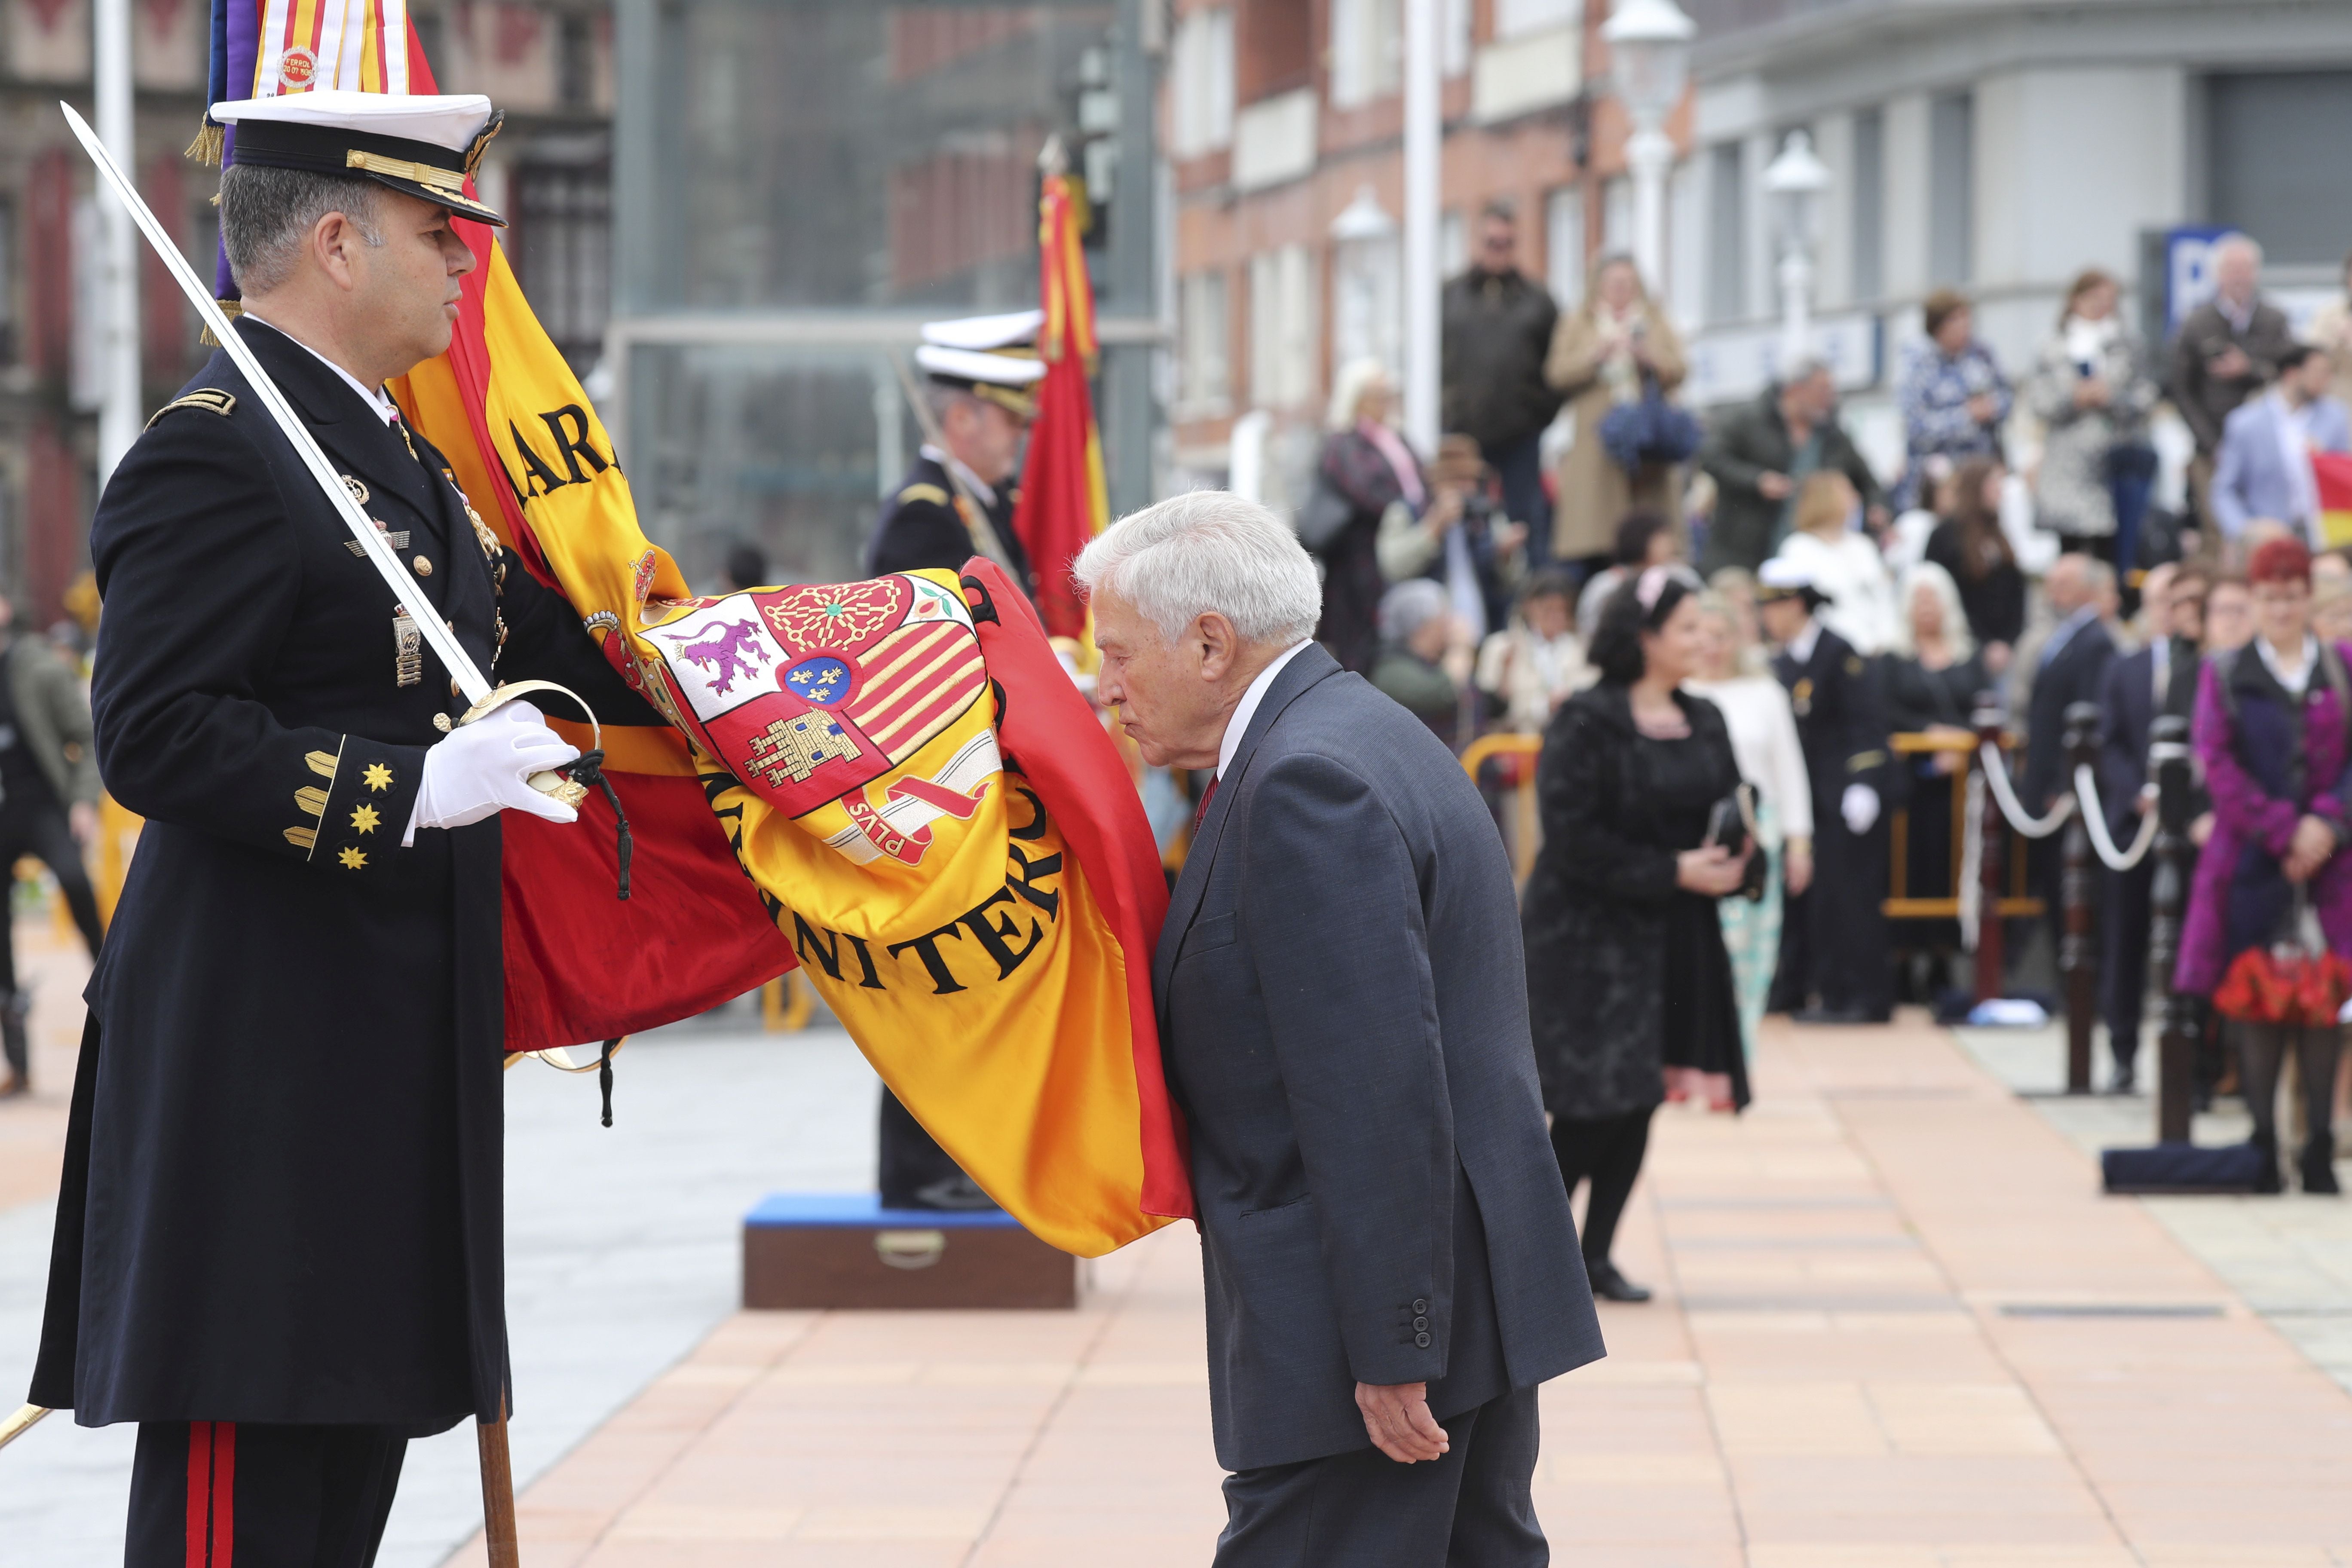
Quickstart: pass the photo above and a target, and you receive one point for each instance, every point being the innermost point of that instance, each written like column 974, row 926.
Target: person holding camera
column 1628, row 978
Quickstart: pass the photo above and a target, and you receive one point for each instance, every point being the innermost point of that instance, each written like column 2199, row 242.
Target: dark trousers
column 1834, row 939
column 1606, row 1150
column 1520, row 467
column 911, row 1158
column 39, row 830
column 1471, row 1509
column 238, row 1494
column 2123, row 971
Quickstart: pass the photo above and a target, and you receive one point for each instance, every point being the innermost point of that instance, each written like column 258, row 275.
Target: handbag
column 1325, row 516
column 2293, row 980
column 1649, row 430
column 1731, row 822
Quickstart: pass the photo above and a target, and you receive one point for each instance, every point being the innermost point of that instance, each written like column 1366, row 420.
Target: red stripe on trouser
column 212, row 1494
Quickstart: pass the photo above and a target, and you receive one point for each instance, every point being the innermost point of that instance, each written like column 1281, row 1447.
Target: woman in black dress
column 1627, row 974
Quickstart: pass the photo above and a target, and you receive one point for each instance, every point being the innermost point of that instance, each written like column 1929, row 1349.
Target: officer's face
column 986, row 436
column 406, row 288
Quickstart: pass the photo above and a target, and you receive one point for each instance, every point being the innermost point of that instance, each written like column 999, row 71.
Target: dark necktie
column 1200, row 812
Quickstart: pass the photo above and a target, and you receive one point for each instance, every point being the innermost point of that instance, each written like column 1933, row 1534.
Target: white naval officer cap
column 1781, row 578
column 991, row 357
column 421, row 144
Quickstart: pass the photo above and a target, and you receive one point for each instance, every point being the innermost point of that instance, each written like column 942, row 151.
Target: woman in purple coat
column 2271, row 730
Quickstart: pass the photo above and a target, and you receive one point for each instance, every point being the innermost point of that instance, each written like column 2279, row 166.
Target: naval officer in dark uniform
column 278, row 1233
column 1834, row 941
column 957, row 502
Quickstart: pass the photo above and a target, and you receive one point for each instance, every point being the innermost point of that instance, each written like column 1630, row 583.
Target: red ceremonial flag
column 1064, row 501
column 2333, row 472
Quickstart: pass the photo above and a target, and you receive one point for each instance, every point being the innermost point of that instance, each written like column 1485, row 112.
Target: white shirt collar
column 2297, row 676
column 1801, row 645
column 982, row 490
column 376, row 399
column 1246, row 709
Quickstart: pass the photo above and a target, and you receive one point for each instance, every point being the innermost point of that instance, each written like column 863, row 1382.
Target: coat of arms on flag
column 809, row 694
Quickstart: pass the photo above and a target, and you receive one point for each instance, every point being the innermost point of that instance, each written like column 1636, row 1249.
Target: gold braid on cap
column 490, row 127
column 441, row 182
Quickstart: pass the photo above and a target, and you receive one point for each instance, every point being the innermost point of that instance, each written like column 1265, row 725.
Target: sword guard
column 570, row 791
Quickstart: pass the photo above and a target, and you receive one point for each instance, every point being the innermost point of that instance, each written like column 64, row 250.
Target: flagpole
column 118, row 260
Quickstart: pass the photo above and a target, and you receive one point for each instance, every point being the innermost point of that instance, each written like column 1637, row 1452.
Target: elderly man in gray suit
column 1391, row 1267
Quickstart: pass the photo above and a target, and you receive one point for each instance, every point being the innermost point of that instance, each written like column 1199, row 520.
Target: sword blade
column 373, row 546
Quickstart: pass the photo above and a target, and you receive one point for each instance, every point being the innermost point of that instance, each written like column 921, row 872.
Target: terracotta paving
column 1897, row 1327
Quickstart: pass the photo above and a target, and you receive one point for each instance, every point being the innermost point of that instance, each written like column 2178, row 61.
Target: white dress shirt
column 377, row 399
column 2294, row 677
column 1246, row 709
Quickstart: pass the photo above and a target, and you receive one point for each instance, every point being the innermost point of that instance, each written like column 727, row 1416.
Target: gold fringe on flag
column 207, row 147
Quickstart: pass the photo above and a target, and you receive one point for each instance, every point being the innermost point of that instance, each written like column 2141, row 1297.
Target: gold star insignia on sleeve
column 354, row 858
column 377, row 776
column 365, row 818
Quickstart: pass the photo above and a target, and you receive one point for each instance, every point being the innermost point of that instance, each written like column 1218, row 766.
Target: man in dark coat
column 2227, row 350
column 278, row 1229
column 980, row 402
column 1385, row 1237
column 980, row 397
column 2071, row 668
column 1833, row 941
column 1759, row 454
column 49, row 805
column 2137, row 688
column 1497, row 324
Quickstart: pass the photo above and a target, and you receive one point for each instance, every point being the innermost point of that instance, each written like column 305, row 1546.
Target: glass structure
column 799, row 184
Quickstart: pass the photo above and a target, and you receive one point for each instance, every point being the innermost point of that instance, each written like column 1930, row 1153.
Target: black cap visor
column 420, row 169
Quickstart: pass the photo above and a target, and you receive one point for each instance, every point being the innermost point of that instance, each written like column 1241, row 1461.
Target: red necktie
column 1200, row 812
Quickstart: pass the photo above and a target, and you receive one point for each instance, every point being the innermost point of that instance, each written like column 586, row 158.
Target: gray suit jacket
column 1344, row 1015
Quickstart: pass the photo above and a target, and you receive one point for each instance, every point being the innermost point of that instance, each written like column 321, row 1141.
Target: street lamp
column 1795, row 181
column 1649, row 53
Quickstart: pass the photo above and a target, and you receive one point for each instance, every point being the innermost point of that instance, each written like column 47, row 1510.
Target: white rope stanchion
column 2086, row 788
column 1995, row 772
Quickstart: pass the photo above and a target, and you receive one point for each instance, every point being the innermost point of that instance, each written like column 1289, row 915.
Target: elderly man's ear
column 1220, row 645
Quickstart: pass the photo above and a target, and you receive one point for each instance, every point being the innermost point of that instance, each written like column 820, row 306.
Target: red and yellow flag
column 1064, row 501
column 2332, row 471
column 892, row 783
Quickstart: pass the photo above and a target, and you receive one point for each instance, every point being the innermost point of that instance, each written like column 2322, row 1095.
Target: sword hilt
column 568, row 790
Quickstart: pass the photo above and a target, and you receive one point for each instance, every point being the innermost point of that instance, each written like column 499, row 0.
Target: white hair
column 1348, row 390
column 2239, row 241
column 1207, row 550
column 1409, row 605
column 1928, row 574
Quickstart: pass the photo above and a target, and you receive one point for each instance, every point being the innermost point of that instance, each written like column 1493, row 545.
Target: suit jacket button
column 1421, row 1324
column 423, row 567
column 1421, row 1306
column 1421, row 1340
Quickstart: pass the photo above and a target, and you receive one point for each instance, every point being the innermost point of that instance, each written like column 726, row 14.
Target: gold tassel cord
column 232, row 308
column 207, row 147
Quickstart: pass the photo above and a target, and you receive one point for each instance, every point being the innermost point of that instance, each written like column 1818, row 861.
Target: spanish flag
column 891, row 783
column 2332, row 471
column 1063, row 502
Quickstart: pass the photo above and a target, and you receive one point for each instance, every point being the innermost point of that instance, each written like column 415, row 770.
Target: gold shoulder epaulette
column 932, row 493
column 212, row 399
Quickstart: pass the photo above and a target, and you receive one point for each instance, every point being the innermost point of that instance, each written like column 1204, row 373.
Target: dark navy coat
column 921, row 527
column 282, row 1199
column 1344, row 1015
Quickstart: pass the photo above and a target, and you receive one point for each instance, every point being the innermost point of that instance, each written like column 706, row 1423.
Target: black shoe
column 958, row 1193
column 18, row 1084
column 1612, row 1285
column 1836, row 1016
column 2125, row 1081
column 2318, row 1165
column 2266, row 1181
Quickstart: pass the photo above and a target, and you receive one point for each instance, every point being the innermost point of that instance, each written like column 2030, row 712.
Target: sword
column 374, row 547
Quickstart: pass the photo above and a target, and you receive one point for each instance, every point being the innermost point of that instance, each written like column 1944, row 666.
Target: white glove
column 1859, row 805
column 482, row 768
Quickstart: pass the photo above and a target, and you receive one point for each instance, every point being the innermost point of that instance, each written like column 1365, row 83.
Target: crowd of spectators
column 1814, row 609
